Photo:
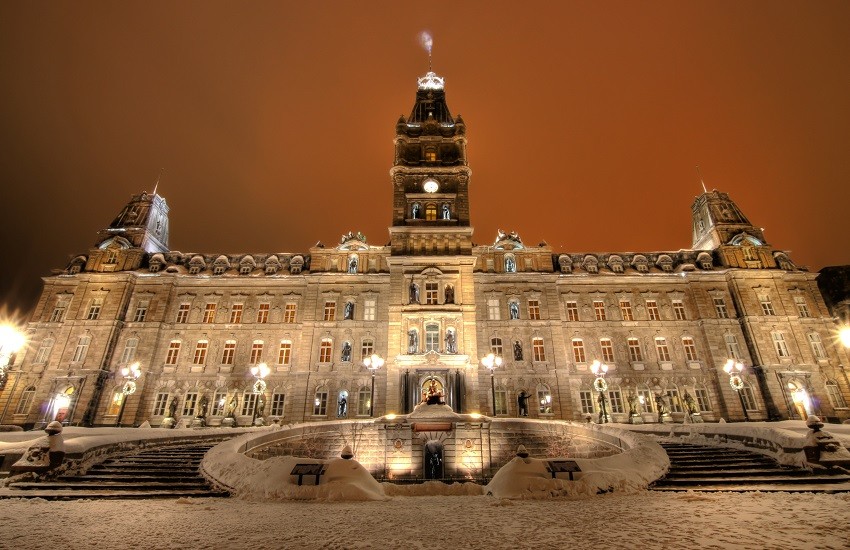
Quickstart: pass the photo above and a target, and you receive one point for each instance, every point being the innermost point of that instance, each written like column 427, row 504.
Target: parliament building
column 432, row 304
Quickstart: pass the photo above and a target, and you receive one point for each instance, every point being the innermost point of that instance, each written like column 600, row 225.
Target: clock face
column 430, row 185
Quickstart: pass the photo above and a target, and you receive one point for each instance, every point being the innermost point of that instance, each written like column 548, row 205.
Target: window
column 585, row 397
column 501, row 401
column 690, row 349
column 432, row 337
column 572, row 311
column 652, row 310
column 236, row 313
column 662, row 349
column 209, row 313
column 278, row 401
column 645, row 399
column 249, row 403
column 325, row 351
column 284, row 352
column 578, row 351
column 200, row 357
column 228, row 352
column 493, row 309
column 364, row 401
column 115, row 403
column 496, row 346
column 615, row 400
column 431, row 293
column 607, row 350
column 320, row 402
column 44, row 350
column 430, row 155
column 159, row 404
column 766, row 305
column 59, row 310
column 141, row 311
column 431, row 212
column 94, row 309
column 129, row 350
column 534, row 309
column 218, row 402
column 720, row 308
column 111, row 256
column 189, row 403
column 817, row 345
column 263, row 313
column 289, row 312
column 330, row 311
column 538, row 353
column 732, row 346
column 367, row 348
column 749, row 397
column 369, row 308
column 256, row 352
column 834, row 394
column 81, row 349
column 599, row 309
column 173, row 352
column 544, row 399
column 779, row 344
column 703, row 399
column 802, row 306
column 626, row 310
column 182, row 313
column 675, row 402
column 635, row 352
column 679, row 310
column 25, row 402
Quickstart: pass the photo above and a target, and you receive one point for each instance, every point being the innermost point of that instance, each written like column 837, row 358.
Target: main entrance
column 418, row 385
column 432, row 460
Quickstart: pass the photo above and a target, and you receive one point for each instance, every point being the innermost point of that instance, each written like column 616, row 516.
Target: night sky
column 274, row 121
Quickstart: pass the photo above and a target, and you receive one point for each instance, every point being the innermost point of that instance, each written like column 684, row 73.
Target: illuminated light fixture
column 130, row 373
column 844, row 336
column 492, row 362
column 599, row 370
column 430, row 185
column 734, row 369
column 373, row 363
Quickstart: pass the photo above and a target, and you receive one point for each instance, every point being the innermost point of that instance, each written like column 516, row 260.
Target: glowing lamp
column 844, row 336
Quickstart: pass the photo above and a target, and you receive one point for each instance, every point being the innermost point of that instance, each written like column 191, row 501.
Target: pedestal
column 635, row 418
column 696, row 418
column 228, row 422
column 198, row 423
column 666, row 419
column 167, row 422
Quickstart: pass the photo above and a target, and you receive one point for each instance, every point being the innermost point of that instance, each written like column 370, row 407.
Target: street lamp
column 373, row 363
column 259, row 372
column 599, row 370
column 130, row 374
column 11, row 341
column 734, row 369
column 844, row 335
column 492, row 362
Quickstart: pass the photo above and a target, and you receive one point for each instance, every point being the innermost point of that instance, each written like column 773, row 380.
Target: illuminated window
column 501, row 401
column 599, row 310
column 200, row 356
column 432, row 337
column 236, row 314
column 173, row 352
column 802, row 306
column 369, row 309
column 82, row 349
column 431, row 212
column 431, row 293
column 615, row 399
column 635, row 351
column 679, row 310
column 538, row 352
column 189, row 404
column 493, row 311
column 578, row 351
column 496, row 346
column 263, row 313
column 209, row 313
column 320, row 402
column 284, row 353
column 607, row 350
column 330, row 311
column 94, row 309
column 129, row 350
column 720, row 308
column 646, row 402
column 141, row 311
column 367, row 348
column 662, row 349
column 673, row 399
column 534, row 310
column 256, row 352
column 364, row 401
column 544, row 399
column 572, row 311
column 289, row 312
column 652, row 310
column 218, row 402
column 182, row 313
column 430, row 155
column 115, row 403
column 111, row 256
column 690, row 349
column 325, row 351
column 626, row 310
column 228, row 352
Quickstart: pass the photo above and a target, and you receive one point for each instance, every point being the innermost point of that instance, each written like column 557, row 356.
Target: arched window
column 320, row 402
column 364, row 403
column 544, row 399
column 833, row 392
column 432, row 337
column 25, row 402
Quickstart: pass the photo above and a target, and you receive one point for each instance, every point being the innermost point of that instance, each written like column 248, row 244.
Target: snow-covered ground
column 641, row 520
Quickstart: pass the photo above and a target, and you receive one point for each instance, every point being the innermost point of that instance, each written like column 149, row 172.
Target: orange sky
column 274, row 120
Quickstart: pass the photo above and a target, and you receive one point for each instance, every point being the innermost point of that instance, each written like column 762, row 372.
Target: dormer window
column 111, row 256
column 665, row 262
column 430, row 155
column 218, row 270
column 74, row 269
column 245, row 269
column 431, row 212
column 194, row 269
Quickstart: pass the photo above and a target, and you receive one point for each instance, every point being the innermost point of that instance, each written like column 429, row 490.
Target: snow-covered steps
column 166, row 472
column 707, row 468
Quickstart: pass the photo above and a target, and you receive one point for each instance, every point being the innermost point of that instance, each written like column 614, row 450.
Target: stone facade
column 432, row 303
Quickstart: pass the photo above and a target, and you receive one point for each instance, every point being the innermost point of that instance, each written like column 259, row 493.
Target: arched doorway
column 800, row 398
column 61, row 407
column 432, row 460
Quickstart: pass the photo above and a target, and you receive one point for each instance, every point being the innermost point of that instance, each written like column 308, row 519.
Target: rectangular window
column 834, row 394
column 129, row 351
column 615, row 399
column 256, row 352
column 284, row 353
column 320, row 403
column 586, row 399
column 635, row 352
column 645, row 399
column 59, row 310
column 720, row 308
column 432, row 337
column 607, row 350
column 228, row 353
column 26, row 401
column 534, row 309
column 572, row 311
column 779, row 344
column 690, row 349
column 538, row 353
column 263, row 313
column 493, row 309
column 325, row 351
column 367, row 348
column 578, row 351
column 94, row 309
column 159, row 404
column 330, row 311
column 817, row 345
column 182, row 313
column 703, row 400
column 44, row 351
column 501, row 401
column 662, row 350
column 200, row 357
column 278, row 400
column 749, row 398
column 673, row 399
column 289, row 312
column 496, row 346
column 189, row 404
column 599, row 310
column 173, row 353
column 679, row 310
column 369, row 308
column 626, row 310
column 82, row 349
column 141, row 311
column 652, row 310
column 766, row 305
column 431, row 294
column 236, row 313
column 209, row 313
column 802, row 306
column 732, row 346
column 249, row 403
column 219, row 399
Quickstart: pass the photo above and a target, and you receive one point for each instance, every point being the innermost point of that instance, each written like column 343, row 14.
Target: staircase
column 705, row 468
column 164, row 472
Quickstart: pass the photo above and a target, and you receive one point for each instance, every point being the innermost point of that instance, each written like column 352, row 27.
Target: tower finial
column 704, row 190
column 157, row 180
column 428, row 43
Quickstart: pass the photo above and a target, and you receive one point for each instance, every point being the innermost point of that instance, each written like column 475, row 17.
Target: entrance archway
column 800, row 398
column 61, row 407
column 432, row 460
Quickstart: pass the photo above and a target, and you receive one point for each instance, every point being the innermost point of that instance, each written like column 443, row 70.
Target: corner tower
column 430, row 178
column 143, row 222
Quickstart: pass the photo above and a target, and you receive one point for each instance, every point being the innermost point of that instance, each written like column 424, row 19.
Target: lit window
column 277, row 405
column 325, row 351
column 779, row 344
column 159, row 404
column 200, row 356
column 662, row 349
column 572, row 311
column 364, row 401
column 607, row 350
column 635, row 351
column 679, row 310
column 369, row 308
column 690, row 349
column 431, row 293
column 182, row 313
column 673, row 399
column 766, row 305
column 538, row 353
column 578, row 351
column 189, row 403
column 320, row 402
column 432, row 337
column 111, row 256
column 256, row 352
column 732, row 346
column 367, row 348
column 284, row 353
column 209, row 313
column 141, row 311
column 228, row 353
column 289, row 312
column 817, row 345
column 173, row 352
column 219, row 400
column 646, row 402
column 263, row 313
column 236, row 313
column 94, row 309
column 430, row 155
column 330, row 311
column 626, row 310
column 802, row 306
column 496, row 346
column 652, row 310
column 129, row 350
column 544, row 399
column 82, row 349
column 25, row 401
column 534, row 310
column 493, row 311
column 599, row 310
column 720, row 308
column 431, row 212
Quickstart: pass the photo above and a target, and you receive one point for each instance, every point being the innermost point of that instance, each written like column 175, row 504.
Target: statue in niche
column 510, row 265
column 348, row 311
column 172, row 407
column 514, row 310
column 412, row 341
column 451, row 341
column 231, row 407
column 202, row 407
column 261, row 406
column 414, row 293
column 663, row 410
column 447, row 214
column 517, row 351
column 414, row 212
column 346, row 352
column 342, row 407
column 450, row 294
column 522, row 403
column 352, row 264
column 691, row 404
column 434, row 395
column 633, row 404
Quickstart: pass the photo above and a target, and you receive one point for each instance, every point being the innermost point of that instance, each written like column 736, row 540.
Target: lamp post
column 130, row 374
column 373, row 363
column 844, row 335
column 599, row 370
column 492, row 362
column 11, row 341
column 734, row 369
column 259, row 372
